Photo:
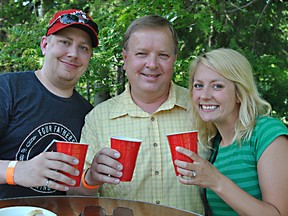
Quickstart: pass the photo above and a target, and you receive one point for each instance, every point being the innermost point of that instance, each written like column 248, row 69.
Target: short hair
column 150, row 21
column 235, row 67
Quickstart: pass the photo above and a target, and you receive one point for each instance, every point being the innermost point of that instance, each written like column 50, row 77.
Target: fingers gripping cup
column 128, row 149
column 77, row 150
column 186, row 140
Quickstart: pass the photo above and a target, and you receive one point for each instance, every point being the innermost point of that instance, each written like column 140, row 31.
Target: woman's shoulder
column 269, row 125
column 266, row 130
column 268, row 121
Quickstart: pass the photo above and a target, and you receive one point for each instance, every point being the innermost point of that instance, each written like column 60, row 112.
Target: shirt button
column 152, row 118
column 156, row 172
column 155, row 144
column 158, row 202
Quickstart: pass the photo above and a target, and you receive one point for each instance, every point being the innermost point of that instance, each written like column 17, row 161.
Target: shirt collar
column 124, row 105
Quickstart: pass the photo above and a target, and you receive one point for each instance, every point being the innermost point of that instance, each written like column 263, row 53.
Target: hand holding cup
column 128, row 149
column 77, row 150
column 186, row 140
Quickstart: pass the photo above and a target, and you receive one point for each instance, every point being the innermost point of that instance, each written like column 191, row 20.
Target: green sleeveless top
column 239, row 163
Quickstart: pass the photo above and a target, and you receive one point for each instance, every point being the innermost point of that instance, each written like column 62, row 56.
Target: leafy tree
column 256, row 28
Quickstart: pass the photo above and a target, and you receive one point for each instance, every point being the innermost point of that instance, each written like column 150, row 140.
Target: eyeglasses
column 75, row 18
column 100, row 211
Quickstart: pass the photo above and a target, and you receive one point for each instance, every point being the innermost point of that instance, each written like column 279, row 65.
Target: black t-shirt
column 30, row 118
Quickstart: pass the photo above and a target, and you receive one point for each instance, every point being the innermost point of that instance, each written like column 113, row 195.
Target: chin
column 206, row 119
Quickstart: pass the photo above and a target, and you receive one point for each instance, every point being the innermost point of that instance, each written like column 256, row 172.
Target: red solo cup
column 77, row 150
column 186, row 140
column 128, row 149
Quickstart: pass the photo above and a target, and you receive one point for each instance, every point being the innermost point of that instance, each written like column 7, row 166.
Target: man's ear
column 43, row 44
column 124, row 54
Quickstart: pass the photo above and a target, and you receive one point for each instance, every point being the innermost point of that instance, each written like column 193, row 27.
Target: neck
column 227, row 128
column 227, row 133
column 148, row 103
column 55, row 89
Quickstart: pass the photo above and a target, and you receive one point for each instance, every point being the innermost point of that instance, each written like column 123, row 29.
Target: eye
column 141, row 54
column 164, row 55
column 217, row 86
column 84, row 48
column 197, row 85
column 65, row 42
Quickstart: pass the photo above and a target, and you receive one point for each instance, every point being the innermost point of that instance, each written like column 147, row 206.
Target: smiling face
column 67, row 55
column 214, row 97
column 149, row 61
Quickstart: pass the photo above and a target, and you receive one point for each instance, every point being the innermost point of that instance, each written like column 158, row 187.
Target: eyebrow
column 84, row 41
column 210, row 81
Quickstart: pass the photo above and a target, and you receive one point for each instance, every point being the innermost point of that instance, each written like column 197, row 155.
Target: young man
column 39, row 106
column 151, row 107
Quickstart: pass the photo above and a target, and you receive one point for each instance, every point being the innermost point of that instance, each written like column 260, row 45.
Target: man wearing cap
column 39, row 106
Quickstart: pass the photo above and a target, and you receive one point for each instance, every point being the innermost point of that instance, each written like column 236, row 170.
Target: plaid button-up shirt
column 154, row 179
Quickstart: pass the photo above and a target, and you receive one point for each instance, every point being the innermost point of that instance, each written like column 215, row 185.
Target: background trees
column 257, row 28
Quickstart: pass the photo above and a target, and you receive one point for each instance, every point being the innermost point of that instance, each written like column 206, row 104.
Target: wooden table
column 73, row 205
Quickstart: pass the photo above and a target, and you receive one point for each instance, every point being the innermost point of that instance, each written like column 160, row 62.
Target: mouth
column 151, row 75
column 208, row 107
column 71, row 64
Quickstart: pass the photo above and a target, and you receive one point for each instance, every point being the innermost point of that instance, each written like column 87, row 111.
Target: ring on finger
column 194, row 173
column 47, row 183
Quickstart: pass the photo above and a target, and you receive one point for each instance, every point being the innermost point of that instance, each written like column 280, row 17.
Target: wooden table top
column 73, row 205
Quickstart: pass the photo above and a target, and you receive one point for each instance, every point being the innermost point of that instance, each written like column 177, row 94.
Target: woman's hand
column 200, row 173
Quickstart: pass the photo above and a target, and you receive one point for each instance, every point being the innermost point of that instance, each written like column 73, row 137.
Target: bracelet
column 84, row 182
column 10, row 172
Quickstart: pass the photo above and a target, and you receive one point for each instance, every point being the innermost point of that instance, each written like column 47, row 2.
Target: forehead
column 148, row 36
column 202, row 69
column 204, row 72
column 73, row 32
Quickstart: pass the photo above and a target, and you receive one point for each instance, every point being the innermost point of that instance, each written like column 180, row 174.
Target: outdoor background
column 256, row 28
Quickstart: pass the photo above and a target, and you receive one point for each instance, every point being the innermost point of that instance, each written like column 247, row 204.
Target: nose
column 73, row 51
column 206, row 93
column 152, row 62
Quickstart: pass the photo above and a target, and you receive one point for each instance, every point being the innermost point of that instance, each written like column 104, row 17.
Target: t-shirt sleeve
column 267, row 129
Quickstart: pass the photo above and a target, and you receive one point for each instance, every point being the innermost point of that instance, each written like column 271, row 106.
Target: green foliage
column 21, row 52
column 256, row 28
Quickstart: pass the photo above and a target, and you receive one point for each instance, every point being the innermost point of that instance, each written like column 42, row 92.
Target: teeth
column 147, row 75
column 209, row 107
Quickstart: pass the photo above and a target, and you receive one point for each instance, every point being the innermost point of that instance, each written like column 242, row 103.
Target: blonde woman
column 247, row 173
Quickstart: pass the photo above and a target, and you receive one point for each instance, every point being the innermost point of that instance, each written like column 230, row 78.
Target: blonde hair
column 235, row 67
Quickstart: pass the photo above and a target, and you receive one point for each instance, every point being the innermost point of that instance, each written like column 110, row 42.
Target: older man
column 150, row 107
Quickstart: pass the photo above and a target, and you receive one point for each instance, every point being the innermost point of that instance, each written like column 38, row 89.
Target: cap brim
column 90, row 31
column 93, row 35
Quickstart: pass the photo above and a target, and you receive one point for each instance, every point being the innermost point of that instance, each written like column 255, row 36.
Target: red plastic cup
column 77, row 150
column 128, row 149
column 186, row 140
